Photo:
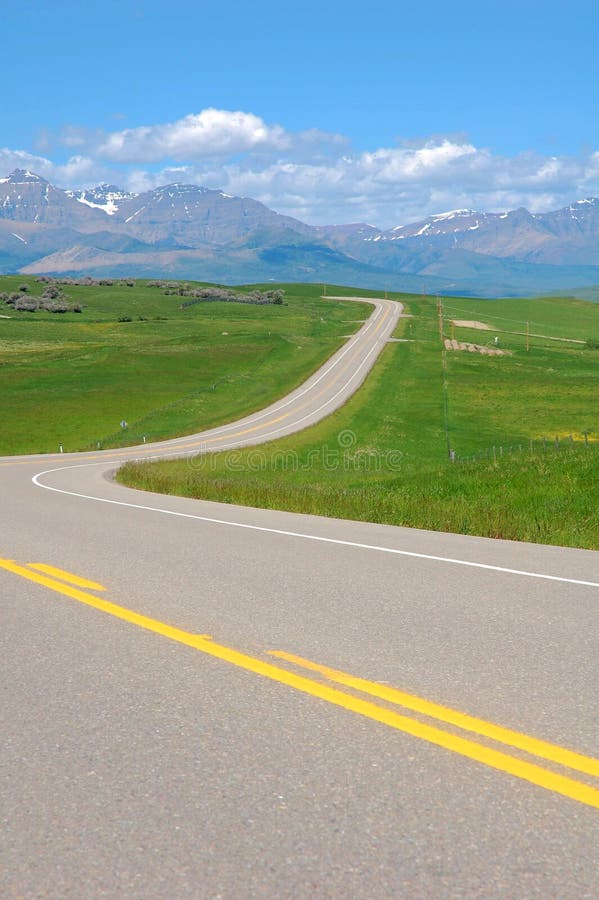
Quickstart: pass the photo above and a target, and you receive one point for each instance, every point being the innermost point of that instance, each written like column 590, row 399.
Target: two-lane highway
column 212, row 701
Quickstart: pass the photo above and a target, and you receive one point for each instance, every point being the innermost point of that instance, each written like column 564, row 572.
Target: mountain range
column 190, row 232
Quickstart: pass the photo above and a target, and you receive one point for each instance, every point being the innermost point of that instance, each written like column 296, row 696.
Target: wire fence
column 533, row 447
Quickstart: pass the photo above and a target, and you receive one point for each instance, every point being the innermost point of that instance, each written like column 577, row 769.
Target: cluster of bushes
column 216, row 294
column 168, row 285
column 86, row 281
column 52, row 300
column 178, row 289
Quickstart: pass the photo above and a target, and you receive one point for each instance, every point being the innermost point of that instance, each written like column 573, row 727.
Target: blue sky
column 330, row 111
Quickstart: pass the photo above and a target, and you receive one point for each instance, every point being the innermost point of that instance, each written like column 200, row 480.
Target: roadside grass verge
column 384, row 457
column 548, row 500
column 134, row 355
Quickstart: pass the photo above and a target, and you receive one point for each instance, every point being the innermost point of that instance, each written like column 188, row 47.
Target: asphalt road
column 201, row 700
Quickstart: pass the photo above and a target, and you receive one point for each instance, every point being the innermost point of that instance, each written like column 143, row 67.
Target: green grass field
column 384, row 457
column 71, row 378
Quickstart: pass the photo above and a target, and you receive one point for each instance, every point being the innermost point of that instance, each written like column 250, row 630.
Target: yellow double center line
column 71, row 586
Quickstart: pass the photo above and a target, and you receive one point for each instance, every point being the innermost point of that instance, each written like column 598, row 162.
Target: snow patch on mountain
column 452, row 214
column 136, row 213
column 105, row 197
column 110, row 207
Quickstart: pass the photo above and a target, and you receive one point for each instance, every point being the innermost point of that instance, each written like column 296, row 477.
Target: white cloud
column 77, row 171
column 312, row 174
column 22, row 159
column 396, row 185
column 210, row 133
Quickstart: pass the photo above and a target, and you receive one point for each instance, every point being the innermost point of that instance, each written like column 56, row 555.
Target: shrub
column 26, row 304
column 56, row 306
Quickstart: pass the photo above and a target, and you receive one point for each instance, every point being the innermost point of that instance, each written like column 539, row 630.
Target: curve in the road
column 337, row 721
column 324, row 392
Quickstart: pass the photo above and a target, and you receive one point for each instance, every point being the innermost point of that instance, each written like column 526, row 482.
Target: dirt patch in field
column 464, row 323
column 475, row 348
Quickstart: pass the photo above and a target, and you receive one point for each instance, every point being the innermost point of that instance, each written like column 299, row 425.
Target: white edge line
column 306, row 537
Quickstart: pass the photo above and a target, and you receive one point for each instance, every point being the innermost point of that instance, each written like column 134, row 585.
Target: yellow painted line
column 67, row 576
column 542, row 749
column 226, row 437
column 526, row 771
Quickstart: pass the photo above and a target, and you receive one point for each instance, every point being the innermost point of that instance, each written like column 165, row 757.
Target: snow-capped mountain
column 195, row 232
column 565, row 236
column 453, row 222
column 27, row 197
column 194, row 216
column 22, row 176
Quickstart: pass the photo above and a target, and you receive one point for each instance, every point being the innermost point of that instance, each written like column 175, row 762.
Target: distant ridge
column 195, row 232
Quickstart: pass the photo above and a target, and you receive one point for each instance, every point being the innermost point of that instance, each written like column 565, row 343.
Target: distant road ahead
column 324, row 392
column 202, row 700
